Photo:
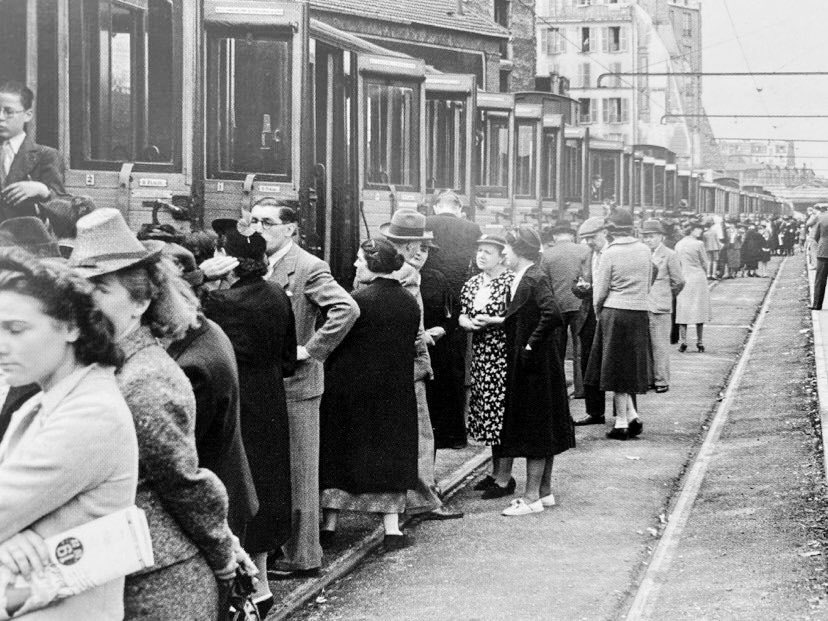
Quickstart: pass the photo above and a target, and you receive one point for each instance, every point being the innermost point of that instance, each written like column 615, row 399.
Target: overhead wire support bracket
column 702, row 74
column 665, row 117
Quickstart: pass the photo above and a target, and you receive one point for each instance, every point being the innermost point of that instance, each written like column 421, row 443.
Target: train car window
column 637, row 168
column 493, row 154
column 125, row 83
column 649, row 182
column 659, row 185
column 249, row 116
column 671, row 189
column 446, row 146
column 549, row 159
column 573, row 170
column 604, row 168
column 525, row 156
column 392, row 136
column 13, row 40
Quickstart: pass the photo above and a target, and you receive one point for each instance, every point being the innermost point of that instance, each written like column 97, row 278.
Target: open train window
column 392, row 134
column 493, row 172
column 249, row 91
column 446, row 150
column 573, row 170
column 649, row 183
column 525, row 156
column 549, row 157
column 125, row 83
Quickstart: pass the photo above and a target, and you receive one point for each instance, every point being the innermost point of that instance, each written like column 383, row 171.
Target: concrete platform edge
column 821, row 368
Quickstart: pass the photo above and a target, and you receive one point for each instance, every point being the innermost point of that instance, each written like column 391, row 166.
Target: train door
column 551, row 165
column 528, row 130
column 256, row 119
column 575, row 169
column 392, row 157
column 670, row 200
column 449, row 121
column 492, row 176
column 334, row 157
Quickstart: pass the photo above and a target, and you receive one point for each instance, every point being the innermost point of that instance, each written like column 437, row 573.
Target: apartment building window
column 615, row 39
column 616, row 110
column 552, row 41
column 643, row 105
column 687, row 30
column 501, row 12
column 585, row 75
column 586, row 39
column 588, row 111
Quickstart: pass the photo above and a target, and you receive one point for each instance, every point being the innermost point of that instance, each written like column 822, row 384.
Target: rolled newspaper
column 82, row 558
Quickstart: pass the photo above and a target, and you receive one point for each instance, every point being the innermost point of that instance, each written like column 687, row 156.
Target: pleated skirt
column 619, row 360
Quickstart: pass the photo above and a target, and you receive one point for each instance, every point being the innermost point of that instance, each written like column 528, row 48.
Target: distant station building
column 453, row 36
column 775, row 153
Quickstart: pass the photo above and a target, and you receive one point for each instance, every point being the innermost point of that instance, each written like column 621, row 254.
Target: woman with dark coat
column 257, row 317
column 369, row 409
column 752, row 249
column 536, row 421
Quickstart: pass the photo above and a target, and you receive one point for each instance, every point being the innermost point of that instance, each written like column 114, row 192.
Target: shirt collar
column 16, row 142
column 279, row 254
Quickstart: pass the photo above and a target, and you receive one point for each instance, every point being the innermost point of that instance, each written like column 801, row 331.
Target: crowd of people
column 225, row 383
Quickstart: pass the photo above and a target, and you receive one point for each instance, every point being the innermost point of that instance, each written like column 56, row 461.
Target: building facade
column 775, row 153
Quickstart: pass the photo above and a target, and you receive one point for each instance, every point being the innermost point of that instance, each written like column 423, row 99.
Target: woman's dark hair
column 202, row 244
column 64, row 297
column 247, row 268
column 381, row 256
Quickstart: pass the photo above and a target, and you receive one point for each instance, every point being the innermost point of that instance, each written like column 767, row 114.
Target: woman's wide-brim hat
column 31, row 234
column 407, row 225
column 494, row 240
column 105, row 244
column 620, row 220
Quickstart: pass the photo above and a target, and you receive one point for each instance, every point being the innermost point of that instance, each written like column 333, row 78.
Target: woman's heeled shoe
column 700, row 347
column 683, row 348
column 619, row 433
column 496, row 491
column 485, row 483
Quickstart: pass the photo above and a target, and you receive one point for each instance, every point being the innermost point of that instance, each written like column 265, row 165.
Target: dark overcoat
column 33, row 162
column 368, row 411
column 752, row 249
column 536, row 422
column 257, row 317
column 206, row 356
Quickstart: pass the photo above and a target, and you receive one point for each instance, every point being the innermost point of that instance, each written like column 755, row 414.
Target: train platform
column 626, row 540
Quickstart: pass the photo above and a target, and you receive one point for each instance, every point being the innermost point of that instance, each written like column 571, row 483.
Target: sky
column 775, row 35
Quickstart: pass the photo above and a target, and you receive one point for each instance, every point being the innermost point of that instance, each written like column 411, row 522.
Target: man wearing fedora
column 30, row 234
column 407, row 232
column 667, row 284
column 324, row 314
column 565, row 263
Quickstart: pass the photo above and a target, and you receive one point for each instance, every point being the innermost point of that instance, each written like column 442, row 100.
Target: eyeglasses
column 266, row 223
column 424, row 247
column 9, row 112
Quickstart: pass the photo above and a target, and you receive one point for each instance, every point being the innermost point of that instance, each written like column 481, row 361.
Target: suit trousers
column 594, row 398
column 819, row 282
column 572, row 326
column 424, row 497
column 660, row 327
column 302, row 551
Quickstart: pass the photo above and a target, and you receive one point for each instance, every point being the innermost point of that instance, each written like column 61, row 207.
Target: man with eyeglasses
column 30, row 174
column 324, row 314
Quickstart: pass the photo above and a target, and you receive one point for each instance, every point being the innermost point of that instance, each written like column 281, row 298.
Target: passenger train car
column 193, row 110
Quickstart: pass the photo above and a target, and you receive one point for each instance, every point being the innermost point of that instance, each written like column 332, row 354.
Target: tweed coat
column 693, row 303
column 668, row 282
column 73, row 461
column 368, row 413
column 186, row 506
column 206, row 356
column 33, row 162
column 258, row 320
column 323, row 310
column 563, row 263
column 536, row 421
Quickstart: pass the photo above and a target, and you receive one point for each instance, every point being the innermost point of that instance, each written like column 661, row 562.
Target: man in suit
column 457, row 239
column 820, row 236
column 565, row 263
column 324, row 314
column 407, row 231
column 668, row 283
column 593, row 234
column 29, row 173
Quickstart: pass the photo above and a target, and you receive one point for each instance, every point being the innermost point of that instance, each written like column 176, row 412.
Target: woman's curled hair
column 381, row 256
column 65, row 297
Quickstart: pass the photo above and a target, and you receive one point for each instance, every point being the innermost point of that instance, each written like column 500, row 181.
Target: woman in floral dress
column 484, row 299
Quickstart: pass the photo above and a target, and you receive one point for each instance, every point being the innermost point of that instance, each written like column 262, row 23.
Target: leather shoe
column 499, row 492
column 662, row 388
column 683, row 348
column 394, row 542
column 326, row 538
column 618, row 433
column 589, row 420
column 635, row 428
column 441, row 513
column 485, row 483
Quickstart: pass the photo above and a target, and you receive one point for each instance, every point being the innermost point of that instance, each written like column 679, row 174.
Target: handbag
column 240, row 598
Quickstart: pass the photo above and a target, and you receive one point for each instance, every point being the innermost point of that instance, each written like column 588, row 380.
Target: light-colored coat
column 623, row 277
column 324, row 313
column 668, row 281
column 71, row 462
column 693, row 303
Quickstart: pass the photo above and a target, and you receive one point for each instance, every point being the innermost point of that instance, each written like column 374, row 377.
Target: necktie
column 6, row 159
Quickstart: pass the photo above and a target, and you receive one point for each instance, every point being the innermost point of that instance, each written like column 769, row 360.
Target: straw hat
column 105, row 244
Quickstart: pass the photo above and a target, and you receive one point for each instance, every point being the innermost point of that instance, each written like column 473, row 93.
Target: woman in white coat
column 70, row 454
column 693, row 303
